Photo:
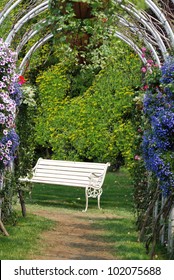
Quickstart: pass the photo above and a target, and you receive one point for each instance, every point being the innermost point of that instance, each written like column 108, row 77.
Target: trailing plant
column 155, row 150
column 10, row 95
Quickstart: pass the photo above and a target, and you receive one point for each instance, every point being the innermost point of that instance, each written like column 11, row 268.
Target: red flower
column 145, row 87
column 21, row 80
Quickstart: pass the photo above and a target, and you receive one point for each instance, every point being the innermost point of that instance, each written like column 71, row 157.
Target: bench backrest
column 68, row 173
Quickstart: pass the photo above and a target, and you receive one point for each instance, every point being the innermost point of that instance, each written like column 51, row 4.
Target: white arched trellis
column 140, row 17
column 142, row 27
column 7, row 9
column 162, row 19
column 137, row 32
column 33, row 13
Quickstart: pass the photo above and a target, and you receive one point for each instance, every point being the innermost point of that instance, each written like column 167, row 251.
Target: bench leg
column 92, row 192
column 98, row 198
column 86, row 195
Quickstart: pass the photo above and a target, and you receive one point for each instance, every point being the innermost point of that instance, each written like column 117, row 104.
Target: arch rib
column 33, row 49
column 8, row 8
column 27, row 36
column 162, row 19
column 34, row 12
column 131, row 44
column 150, row 27
column 136, row 31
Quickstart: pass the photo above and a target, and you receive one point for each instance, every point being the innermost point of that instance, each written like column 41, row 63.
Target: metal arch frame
column 131, row 44
column 136, row 14
column 33, row 32
column 34, row 12
column 162, row 19
column 150, row 27
column 27, row 36
column 32, row 50
column 7, row 9
column 136, row 31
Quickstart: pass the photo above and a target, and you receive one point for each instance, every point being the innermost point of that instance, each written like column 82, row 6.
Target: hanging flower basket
column 82, row 10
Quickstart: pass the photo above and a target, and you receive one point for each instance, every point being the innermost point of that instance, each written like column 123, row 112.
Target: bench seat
column 86, row 175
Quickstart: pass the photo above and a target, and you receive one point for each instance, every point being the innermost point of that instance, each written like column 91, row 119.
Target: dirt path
column 74, row 237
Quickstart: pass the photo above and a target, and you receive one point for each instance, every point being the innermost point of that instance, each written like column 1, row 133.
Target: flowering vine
column 10, row 98
column 158, row 138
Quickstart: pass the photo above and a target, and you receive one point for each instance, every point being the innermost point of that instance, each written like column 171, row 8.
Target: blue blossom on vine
column 158, row 138
column 167, row 71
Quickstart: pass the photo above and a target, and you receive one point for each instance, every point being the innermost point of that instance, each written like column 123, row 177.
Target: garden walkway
column 75, row 236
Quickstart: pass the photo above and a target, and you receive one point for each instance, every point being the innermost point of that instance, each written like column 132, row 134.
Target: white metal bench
column 86, row 175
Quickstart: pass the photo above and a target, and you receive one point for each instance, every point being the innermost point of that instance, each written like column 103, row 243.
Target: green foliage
column 26, row 130
column 96, row 125
column 87, row 33
column 53, row 86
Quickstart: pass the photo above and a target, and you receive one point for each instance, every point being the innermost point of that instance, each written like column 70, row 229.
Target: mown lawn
column 117, row 199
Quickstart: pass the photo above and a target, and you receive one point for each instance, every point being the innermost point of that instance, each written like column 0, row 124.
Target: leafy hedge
column 97, row 125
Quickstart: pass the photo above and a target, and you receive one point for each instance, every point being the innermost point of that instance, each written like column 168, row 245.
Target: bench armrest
column 95, row 180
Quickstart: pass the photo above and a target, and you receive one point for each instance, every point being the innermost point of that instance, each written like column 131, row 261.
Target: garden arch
column 155, row 32
column 143, row 27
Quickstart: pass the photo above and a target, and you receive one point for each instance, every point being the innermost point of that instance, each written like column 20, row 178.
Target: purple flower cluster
column 9, row 99
column 158, row 139
column 8, row 146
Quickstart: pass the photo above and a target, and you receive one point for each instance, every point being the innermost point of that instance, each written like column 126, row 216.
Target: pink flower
column 143, row 49
column 143, row 69
column 136, row 157
column 150, row 61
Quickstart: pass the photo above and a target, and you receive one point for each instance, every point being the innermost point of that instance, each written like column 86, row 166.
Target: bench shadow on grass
column 117, row 194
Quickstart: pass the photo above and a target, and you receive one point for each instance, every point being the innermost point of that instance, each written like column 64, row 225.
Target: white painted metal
column 27, row 36
column 131, row 44
column 45, row 39
column 34, row 12
column 31, row 50
column 150, row 27
column 170, row 244
column 162, row 19
column 7, row 9
column 86, row 175
column 142, row 36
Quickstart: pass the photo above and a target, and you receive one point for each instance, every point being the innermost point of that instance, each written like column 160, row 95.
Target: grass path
column 56, row 228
